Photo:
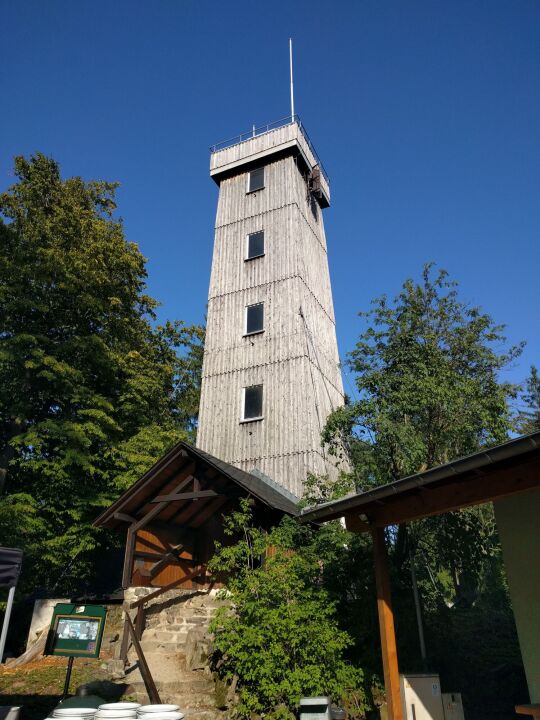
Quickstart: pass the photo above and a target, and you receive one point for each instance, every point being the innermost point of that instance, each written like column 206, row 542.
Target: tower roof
column 283, row 137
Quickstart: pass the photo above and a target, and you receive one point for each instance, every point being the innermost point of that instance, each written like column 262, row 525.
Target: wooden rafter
column 174, row 497
column 186, row 514
column 154, row 512
column 208, row 510
column 124, row 518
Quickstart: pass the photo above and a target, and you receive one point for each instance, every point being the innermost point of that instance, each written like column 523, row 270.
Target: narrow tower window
column 252, row 403
column 255, row 245
column 254, row 319
column 256, row 180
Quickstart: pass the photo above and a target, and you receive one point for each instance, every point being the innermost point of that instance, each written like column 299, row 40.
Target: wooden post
column 128, row 558
column 140, row 621
column 148, row 680
column 386, row 626
column 124, row 643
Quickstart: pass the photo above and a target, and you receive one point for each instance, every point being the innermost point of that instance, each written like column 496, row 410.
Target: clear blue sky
column 425, row 114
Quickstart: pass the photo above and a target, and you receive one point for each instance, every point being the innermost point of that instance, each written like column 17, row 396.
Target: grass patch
column 37, row 686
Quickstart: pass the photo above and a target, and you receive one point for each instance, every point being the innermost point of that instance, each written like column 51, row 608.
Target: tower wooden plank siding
column 271, row 371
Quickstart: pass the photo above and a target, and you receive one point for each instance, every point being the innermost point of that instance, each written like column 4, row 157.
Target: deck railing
column 261, row 129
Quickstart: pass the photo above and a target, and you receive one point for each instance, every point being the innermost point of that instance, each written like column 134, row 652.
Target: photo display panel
column 76, row 630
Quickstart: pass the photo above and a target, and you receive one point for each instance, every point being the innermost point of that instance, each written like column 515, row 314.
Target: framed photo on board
column 76, row 630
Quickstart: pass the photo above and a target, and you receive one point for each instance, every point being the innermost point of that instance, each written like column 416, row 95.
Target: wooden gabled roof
column 187, row 486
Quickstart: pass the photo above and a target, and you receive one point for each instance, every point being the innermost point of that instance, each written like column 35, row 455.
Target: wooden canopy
column 489, row 475
column 173, row 515
column 483, row 477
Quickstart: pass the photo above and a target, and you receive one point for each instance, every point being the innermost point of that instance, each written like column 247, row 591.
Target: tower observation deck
column 271, row 371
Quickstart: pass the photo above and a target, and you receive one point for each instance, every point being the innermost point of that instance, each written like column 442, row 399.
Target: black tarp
column 10, row 566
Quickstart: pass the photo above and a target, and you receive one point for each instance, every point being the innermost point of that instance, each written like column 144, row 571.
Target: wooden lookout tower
column 271, row 372
column 271, row 377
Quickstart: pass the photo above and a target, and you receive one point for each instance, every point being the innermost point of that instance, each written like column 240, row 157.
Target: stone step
column 187, row 688
column 169, row 694
column 161, row 646
column 164, row 635
column 207, row 714
column 207, row 606
column 182, row 611
column 169, row 626
column 166, row 669
column 177, row 621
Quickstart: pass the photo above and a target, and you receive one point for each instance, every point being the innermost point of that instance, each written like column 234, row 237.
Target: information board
column 76, row 630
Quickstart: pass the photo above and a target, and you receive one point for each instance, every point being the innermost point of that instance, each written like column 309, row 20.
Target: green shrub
column 278, row 635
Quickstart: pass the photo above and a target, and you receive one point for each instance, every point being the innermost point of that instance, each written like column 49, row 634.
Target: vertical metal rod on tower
column 292, row 82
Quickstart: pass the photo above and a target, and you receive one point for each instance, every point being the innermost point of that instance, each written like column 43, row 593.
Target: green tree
column 428, row 377
column 89, row 388
column 278, row 633
column 528, row 420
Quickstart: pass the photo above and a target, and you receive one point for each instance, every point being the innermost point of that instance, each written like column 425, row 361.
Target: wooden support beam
column 140, row 621
column 188, row 514
column 173, row 497
column 172, row 556
column 221, row 504
column 138, row 525
column 124, row 518
column 128, row 558
column 149, row 683
column 386, row 626
column 159, row 506
column 148, row 545
column 142, row 571
column 147, row 479
column 355, row 525
column 146, row 598
column 157, row 525
column 461, row 493
column 124, row 643
column 163, row 555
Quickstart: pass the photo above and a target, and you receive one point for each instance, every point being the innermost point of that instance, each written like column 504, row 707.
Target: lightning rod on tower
column 292, row 82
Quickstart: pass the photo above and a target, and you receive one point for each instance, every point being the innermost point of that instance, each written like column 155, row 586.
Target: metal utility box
column 421, row 697
column 452, row 706
column 315, row 708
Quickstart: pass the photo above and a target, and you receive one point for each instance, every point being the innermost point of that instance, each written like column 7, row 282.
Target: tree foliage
column 428, row 378
column 427, row 371
column 91, row 391
column 528, row 420
column 278, row 635
column 429, row 391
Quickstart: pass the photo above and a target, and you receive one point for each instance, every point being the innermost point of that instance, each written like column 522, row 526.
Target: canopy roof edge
column 518, row 451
